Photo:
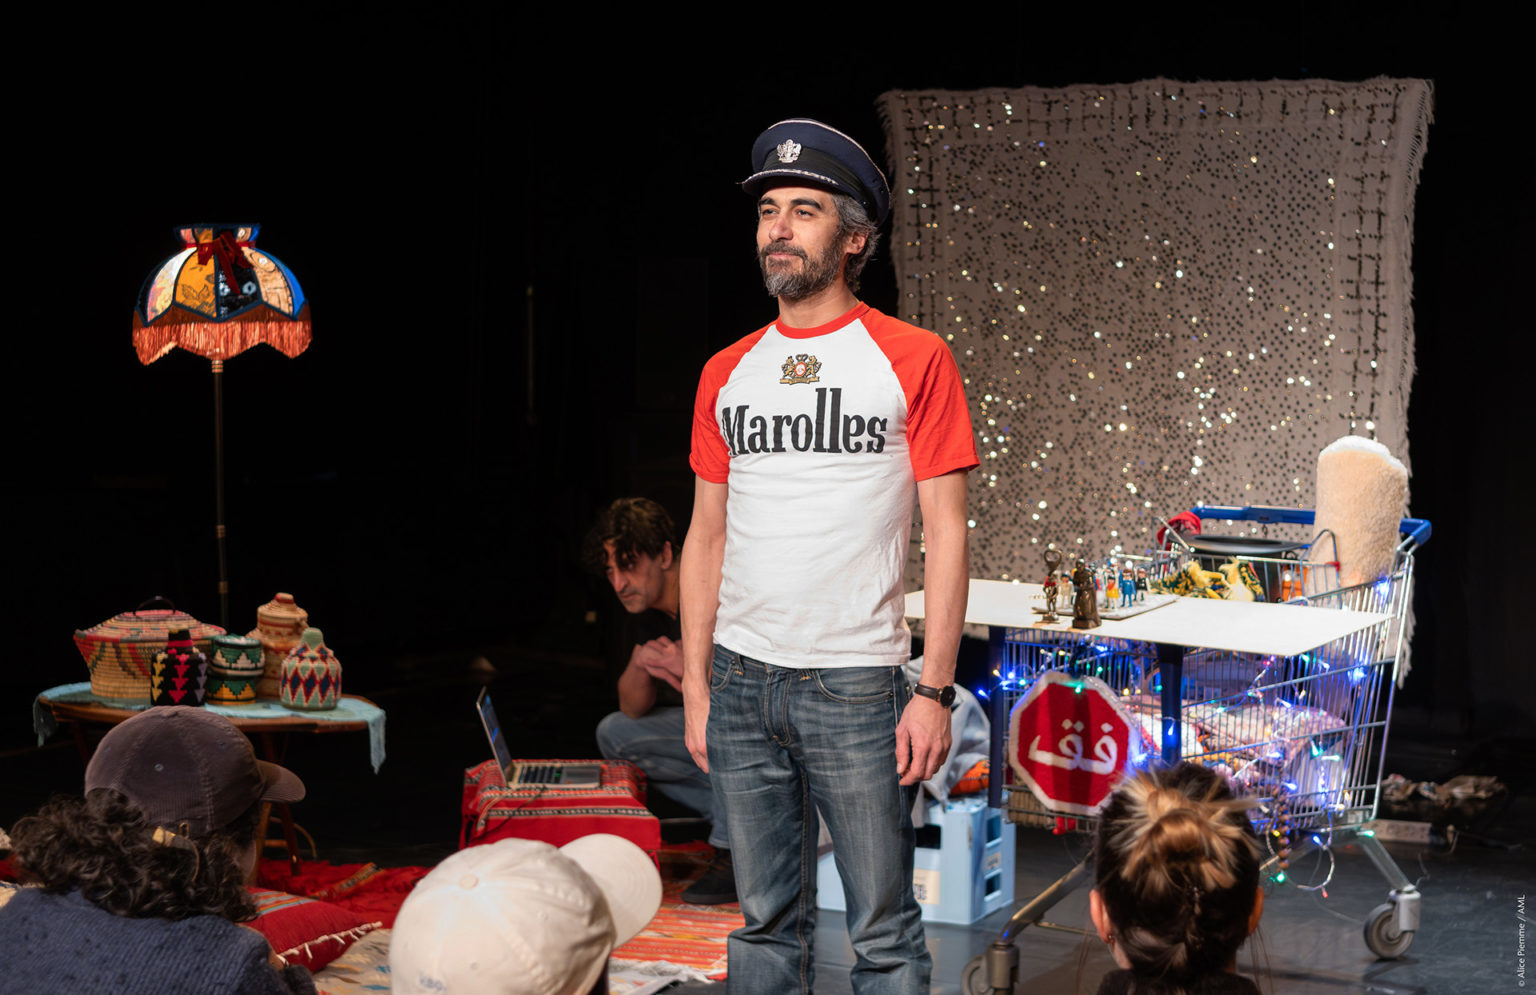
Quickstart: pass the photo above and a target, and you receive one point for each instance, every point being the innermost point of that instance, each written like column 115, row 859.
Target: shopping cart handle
column 1417, row 528
column 1256, row 513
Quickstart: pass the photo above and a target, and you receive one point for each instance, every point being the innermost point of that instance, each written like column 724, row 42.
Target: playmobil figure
column 1127, row 585
column 1085, row 600
column 1052, row 588
column 1141, row 584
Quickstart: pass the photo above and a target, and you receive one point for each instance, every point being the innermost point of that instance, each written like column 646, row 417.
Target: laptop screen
column 493, row 732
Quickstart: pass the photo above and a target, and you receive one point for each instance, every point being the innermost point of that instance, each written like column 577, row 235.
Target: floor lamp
column 217, row 297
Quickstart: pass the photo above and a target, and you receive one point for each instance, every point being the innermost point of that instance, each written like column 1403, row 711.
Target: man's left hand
column 922, row 740
column 663, row 659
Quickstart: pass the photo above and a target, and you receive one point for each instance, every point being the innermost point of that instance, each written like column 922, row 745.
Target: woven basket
column 236, row 658
column 231, row 691
column 280, row 625
column 120, row 652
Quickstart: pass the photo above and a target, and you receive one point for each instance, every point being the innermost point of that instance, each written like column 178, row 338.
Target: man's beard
column 810, row 278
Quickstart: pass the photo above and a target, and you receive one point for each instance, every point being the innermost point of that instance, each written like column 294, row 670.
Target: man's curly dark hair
column 102, row 846
column 634, row 525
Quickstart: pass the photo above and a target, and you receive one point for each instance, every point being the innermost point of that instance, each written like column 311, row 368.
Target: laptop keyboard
column 541, row 774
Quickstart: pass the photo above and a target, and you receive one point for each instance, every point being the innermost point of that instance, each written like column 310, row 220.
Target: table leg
column 273, row 747
column 996, row 648
column 265, row 814
column 78, row 729
column 289, row 836
column 1170, row 667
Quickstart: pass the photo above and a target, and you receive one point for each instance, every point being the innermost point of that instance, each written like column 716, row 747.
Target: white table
column 1188, row 623
column 1235, row 626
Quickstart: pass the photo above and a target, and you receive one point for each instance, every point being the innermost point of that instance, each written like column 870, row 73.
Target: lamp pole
column 218, row 490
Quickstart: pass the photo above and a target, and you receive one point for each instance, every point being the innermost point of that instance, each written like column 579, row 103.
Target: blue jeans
column 783, row 744
column 654, row 743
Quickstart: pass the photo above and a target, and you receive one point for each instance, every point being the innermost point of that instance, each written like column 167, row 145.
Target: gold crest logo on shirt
column 800, row 369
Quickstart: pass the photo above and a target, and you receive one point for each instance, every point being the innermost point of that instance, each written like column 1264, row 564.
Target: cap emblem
column 788, row 150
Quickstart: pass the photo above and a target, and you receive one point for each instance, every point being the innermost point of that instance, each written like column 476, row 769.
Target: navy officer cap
column 810, row 152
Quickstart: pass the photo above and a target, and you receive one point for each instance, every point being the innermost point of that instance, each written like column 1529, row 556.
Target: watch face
column 947, row 696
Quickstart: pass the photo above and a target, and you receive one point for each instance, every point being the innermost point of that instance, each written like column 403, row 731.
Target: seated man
column 634, row 544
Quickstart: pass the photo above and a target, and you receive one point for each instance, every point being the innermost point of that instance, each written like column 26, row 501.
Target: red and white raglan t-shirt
column 820, row 435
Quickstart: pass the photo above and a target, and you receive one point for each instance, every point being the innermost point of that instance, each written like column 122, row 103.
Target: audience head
column 167, row 825
column 1176, row 865
column 520, row 915
column 634, row 545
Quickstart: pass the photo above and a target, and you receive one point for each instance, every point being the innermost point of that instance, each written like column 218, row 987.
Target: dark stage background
column 520, row 245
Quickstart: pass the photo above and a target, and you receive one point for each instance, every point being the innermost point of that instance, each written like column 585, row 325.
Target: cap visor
column 279, row 784
column 628, row 878
column 755, row 183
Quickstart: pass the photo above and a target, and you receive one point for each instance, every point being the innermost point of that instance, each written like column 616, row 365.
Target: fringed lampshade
column 219, row 296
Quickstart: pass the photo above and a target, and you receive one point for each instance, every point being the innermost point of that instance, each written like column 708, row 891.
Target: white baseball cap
column 522, row 916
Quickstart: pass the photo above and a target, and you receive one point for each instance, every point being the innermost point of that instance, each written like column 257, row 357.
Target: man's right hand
column 695, row 722
column 700, row 592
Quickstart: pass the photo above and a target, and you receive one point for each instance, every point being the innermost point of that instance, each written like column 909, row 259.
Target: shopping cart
column 1303, row 733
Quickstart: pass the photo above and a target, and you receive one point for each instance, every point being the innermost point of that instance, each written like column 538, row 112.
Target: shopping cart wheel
column 1000, row 962
column 1383, row 935
column 974, row 980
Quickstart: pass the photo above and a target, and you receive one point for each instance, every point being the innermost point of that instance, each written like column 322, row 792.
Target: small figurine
column 1127, row 585
column 1141, row 583
column 1052, row 565
column 1085, row 601
column 1111, row 588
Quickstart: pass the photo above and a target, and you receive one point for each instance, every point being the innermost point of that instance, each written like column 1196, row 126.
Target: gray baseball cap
column 181, row 764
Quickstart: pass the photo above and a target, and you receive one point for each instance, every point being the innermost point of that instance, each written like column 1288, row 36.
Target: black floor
column 408, row 813
column 1311, row 941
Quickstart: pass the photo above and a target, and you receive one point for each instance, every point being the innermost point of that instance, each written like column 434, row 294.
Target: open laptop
column 534, row 773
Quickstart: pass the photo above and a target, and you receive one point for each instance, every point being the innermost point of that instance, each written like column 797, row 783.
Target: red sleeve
column 939, row 435
column 710, row 458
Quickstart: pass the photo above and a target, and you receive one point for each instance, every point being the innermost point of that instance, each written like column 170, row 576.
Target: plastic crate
column 969, row 874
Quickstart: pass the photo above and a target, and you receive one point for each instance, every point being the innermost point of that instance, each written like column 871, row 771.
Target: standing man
column 634, row 545
column 810, row 438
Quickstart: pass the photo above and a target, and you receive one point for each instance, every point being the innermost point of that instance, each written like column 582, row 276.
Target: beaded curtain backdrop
column 1158, row 293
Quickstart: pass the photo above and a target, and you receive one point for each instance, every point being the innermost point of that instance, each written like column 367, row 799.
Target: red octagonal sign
column 1070, row 741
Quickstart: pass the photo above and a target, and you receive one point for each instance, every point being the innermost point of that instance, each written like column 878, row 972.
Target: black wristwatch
column 944, row 695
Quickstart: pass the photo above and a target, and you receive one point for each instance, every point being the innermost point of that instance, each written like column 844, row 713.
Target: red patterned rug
column 690, row 936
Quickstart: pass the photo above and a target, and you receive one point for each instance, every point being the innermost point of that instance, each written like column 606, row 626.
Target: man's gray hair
column 852, row 219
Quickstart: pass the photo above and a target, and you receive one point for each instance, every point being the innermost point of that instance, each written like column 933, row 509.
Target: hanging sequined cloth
column 1159, row 294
